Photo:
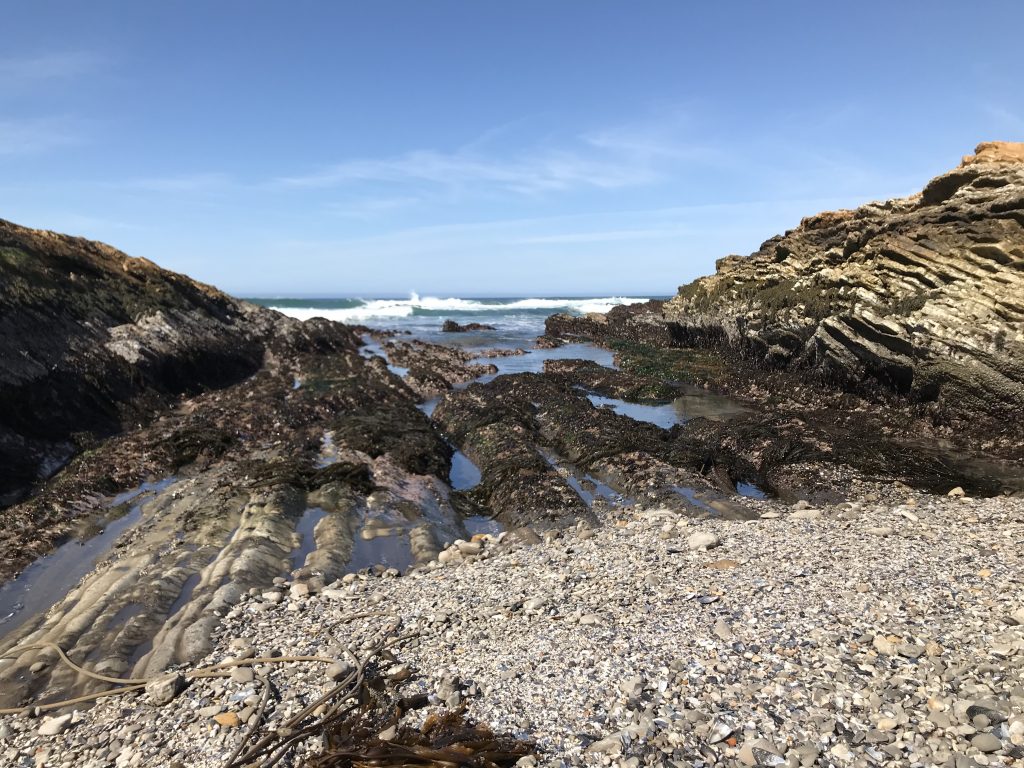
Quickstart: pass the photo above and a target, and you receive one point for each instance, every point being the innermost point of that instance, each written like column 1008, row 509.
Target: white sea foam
column 371, row 310
column 397, row 308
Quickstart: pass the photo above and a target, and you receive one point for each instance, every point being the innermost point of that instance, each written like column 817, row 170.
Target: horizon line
column 406, row 296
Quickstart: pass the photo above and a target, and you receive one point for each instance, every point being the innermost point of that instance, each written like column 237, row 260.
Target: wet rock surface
column 246, row 463
column 537, row 437
column 433, row 368
column 260, row 447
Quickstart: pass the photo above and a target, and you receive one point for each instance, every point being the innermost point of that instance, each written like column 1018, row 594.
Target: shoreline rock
column 916, row 299
column 450, row 326
column 95, row 342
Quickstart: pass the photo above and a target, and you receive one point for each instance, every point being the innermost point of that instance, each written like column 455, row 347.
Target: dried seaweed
column 448, row 739
column 358, row 723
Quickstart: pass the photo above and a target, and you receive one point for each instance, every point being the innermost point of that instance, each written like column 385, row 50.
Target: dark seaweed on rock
column 93, row 341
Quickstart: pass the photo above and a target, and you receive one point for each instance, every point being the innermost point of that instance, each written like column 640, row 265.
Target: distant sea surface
column 517, row 321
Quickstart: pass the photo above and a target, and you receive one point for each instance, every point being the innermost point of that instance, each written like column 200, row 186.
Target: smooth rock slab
column 467, row 548
column 991, row 710
column 760, row 752
column 399, row 672
column 883, row 645
column 632, row 686
column 534, row 604
column 338, row 671
column 610, row 745
column 723, row 630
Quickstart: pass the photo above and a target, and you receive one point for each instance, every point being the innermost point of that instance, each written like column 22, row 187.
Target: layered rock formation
column 921, row 296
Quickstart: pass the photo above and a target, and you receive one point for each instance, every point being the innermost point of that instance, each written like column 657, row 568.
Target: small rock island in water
column 773, row 520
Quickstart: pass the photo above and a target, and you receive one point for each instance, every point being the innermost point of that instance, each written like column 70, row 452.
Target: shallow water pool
column 49, row 579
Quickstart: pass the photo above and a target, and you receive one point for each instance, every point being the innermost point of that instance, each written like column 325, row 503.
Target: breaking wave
column 359, row 310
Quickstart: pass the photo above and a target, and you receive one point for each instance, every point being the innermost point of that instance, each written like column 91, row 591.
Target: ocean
column 517, row 320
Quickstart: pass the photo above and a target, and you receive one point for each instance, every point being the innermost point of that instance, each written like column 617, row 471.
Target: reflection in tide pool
column 587, row 487
column 696, row 403
column 691, row 496
column 464, row 474
column 533, row 360
column 590, row 489
column 307, row 542
column 750, row 490
column 429, row 406
column 481, row 524
column 51, row 577
column 664, row 416
column 373, row 348
column 390, row 551
column 699, row 403
column 328, row 451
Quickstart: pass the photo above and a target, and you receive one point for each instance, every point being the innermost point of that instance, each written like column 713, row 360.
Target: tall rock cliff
column 923, row 296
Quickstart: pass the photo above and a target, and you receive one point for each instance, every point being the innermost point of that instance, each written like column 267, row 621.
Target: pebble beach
column 886, row 630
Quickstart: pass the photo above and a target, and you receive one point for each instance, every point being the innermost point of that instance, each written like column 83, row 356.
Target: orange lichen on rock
column 996, row 152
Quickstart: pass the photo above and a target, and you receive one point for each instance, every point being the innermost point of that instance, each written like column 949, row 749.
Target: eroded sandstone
column 920, row 299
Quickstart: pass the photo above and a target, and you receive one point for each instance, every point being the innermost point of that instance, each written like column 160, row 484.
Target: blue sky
column 483, row 148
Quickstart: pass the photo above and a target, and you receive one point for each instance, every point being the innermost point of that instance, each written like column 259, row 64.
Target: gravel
column 884, row 631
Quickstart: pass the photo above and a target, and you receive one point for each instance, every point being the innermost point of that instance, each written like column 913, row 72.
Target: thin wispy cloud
column 608, row 159
column 24, row 133
column 31, row 70
column 191, row 183
column 370, row 208
column 584, row 162
column 547, row 171
column 603, row 236
column 31, row 135
column 666, row 139
column 638, row 225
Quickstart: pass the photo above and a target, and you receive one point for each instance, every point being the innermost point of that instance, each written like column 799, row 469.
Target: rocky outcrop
column 285, row 474
column 450, row 326
column 93, row 341
column 921, row 296
column 996, row 152
column 431, row 369
column 253, row 446
column 638, row 323
column 924, row 295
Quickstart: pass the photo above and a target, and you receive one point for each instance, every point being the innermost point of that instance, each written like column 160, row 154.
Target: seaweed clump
column 445, row 739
